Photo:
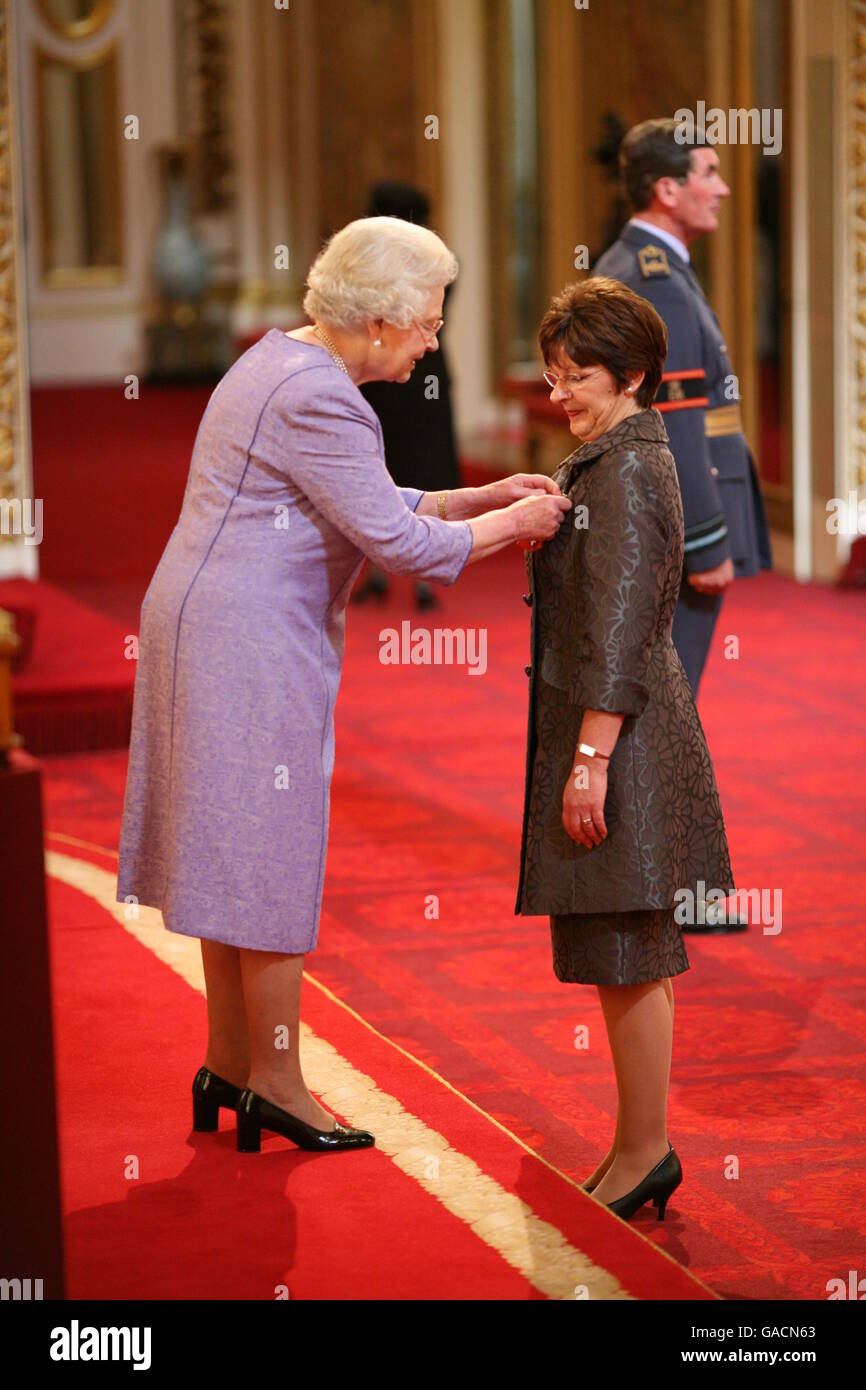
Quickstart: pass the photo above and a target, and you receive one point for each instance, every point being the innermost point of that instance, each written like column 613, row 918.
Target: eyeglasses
column 568, row 383
column 428, row 330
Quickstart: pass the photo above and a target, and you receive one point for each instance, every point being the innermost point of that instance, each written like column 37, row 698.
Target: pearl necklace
column 331, row 348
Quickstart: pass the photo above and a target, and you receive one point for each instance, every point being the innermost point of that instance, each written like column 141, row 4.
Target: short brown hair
column 601, row 322
column 649, row 152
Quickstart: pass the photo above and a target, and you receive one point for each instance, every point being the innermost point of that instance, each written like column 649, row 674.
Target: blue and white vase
column 180, row 264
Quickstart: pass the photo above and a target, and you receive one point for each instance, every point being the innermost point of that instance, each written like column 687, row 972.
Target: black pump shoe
column 425, row 598
column 255, row 1114
column 209, row 1092
column 658, row 1185
column 374, row 586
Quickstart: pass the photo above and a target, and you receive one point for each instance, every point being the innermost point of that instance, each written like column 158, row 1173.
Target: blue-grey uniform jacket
column 723, row 509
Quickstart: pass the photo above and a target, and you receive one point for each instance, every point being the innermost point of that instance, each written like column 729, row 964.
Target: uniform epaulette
column 653, row 260
column 682, row 390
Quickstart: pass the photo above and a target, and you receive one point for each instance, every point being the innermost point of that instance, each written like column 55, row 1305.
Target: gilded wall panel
column 855, row 105
column 15, row 481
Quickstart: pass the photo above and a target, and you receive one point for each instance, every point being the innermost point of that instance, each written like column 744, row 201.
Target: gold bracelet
column 442, row 499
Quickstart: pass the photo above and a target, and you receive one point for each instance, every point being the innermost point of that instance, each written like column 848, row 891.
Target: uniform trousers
column 695, row 619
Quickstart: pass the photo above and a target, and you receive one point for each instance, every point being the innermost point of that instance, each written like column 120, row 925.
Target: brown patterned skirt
column 617, row 948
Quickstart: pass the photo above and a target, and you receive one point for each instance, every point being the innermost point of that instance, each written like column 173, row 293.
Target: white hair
column 377, row 268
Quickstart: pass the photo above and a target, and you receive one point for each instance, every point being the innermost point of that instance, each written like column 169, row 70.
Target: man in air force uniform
column 675, row 191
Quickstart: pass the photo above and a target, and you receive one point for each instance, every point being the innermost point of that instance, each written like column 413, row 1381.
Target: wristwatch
column 591, row 752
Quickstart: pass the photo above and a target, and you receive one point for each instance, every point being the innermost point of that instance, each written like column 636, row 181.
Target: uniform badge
column 653, row 261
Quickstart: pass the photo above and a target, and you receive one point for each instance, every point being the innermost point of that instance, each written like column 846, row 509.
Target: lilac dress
column 225, row 820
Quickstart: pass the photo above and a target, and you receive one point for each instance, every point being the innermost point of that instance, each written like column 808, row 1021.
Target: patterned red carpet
column 418, row 938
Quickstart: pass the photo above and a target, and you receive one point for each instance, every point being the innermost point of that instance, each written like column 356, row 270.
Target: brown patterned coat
column 603, row 594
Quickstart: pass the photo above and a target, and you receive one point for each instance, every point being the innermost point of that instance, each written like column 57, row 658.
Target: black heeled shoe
column 425, row 598
column 209, row 1092
column 374, row 586
column 658, row 1185
column 255, row 1114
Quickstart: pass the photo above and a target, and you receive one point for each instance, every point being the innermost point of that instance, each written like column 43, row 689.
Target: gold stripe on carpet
column 533, row 1247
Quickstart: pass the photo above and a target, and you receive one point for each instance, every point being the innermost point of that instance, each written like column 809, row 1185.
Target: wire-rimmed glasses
column 570, row 382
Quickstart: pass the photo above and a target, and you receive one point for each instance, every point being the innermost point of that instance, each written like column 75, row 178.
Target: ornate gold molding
column 427, row 100
column 855, row 270
column 206, row 29
column 108, row 161
column 15, row 480
column 100, row 13
column 9, row 644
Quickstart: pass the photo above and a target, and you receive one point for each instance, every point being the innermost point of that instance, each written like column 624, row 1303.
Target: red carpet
column 102, row 542
column 75, row 691
column 200, row 1221
column 768, row 1076
column 112, row 473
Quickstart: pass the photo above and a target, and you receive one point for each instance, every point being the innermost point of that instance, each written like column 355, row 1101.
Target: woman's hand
column 538, row 517
column 583, row 802
column 512, row 489
column 713, row 581
column 529, row 522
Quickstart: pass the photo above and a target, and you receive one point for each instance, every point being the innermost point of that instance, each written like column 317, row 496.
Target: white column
column 277, row 34
column 246, row 94
column 801, row 413
column 93, row 331
column 303, row 81
column 849, row 306
column 462, row 135
column 845, row 270
column 19, row 511
column 274, row 95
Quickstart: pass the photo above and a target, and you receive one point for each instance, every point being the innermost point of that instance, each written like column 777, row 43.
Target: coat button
column 528, row 670
column 715, row 472
column 527, row 599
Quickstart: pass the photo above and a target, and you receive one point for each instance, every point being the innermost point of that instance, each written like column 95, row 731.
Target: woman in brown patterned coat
column 622, row 818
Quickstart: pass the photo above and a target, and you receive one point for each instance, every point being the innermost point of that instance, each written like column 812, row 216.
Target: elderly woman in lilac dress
column 225, row 820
